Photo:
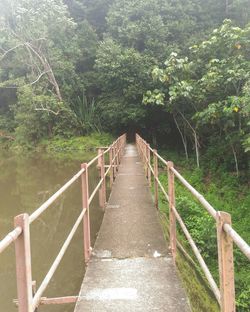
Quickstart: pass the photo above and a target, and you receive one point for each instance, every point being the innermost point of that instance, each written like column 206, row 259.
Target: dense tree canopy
column 208, row 93
column 177, row 71
column 57, row 58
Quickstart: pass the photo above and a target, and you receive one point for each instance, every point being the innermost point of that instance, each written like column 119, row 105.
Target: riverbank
column 60, row 147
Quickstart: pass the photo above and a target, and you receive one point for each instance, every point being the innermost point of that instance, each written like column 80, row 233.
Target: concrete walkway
column 131, row 268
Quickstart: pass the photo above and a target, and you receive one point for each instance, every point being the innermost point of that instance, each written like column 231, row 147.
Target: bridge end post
column 86, row 220
column 23, row 264
column 111, row 166
column 226, row 263
column 145, row 158
column 114, row 162
column 172, row 218
column 155, row 179
column 116, row 156
column 102, row 190
column 148, row 165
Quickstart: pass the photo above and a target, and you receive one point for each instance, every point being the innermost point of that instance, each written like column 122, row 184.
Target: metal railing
column 226, row 235
column 27, row 302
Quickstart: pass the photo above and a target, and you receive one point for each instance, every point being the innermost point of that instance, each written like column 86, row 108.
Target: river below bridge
column 25, row 183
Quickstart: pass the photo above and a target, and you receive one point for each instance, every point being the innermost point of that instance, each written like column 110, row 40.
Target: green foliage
column 109, row 48
column 124, row 71
column 224, row 192
column 85, row 111
column 76, row 146
column 124, row 54
column 191, row 89
column 38, row 116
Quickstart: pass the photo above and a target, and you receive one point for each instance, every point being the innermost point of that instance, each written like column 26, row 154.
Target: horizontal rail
column 162, row 159
column 101, row 180
column 238, row 240
column 93, row 160
column 196, row 194
column 56, row 263
column 59, row 300
column 107, row 171
column 48, row 202
column 226, row 235
column 198, row 255
column 162, row 188
column 95, row 191
column 10, row 238
column 151, row 168
column 24, row 286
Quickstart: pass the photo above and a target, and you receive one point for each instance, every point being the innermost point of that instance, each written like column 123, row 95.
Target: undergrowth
column 225, row 192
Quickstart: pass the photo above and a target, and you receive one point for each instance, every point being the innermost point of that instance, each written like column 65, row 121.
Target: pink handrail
column 21, row 234
column 226, row 235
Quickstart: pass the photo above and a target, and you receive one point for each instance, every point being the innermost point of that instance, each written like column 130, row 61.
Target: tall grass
column 85, row 111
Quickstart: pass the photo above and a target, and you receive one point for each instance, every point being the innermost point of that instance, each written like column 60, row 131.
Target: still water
column 25, row 183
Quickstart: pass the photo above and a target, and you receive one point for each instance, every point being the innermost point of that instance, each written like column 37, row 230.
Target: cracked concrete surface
column 131, row 268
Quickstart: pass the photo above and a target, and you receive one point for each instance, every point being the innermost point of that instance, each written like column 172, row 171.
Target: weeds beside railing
column 226, row 235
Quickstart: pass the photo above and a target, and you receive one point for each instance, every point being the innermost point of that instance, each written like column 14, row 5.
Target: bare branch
column 38, row 78
column 184, row 142
column 47, row 66
column 27, row 84
column 48, row 110
column 12, row 49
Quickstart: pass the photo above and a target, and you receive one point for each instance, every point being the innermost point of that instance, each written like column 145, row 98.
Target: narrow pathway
column 131, row 268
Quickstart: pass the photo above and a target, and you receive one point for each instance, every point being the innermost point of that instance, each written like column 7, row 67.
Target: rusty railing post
column 149, row 163
column 86, row 219
column 155, row 179
column 102, row 190
column 124, row 144
column 23, row 264
column 144, row 158
column 114, row 162
column 33, row 292
column 111, row 166
column 226, row 263
column 116, row 156
column 172, row 218
column 119, row 150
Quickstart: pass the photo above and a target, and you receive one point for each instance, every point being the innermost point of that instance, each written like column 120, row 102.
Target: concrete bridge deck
column 130, row 268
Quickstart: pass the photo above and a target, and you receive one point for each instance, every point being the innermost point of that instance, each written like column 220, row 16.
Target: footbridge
column 131, row 266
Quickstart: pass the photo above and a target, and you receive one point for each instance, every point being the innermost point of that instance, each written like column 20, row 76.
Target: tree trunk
column 197, row 150
column 235, row 160
column 184, row 141
column 47, row 69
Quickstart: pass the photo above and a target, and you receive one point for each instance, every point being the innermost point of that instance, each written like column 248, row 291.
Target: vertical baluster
column 226, row 263
column 172, row 218
column 111, row 166
column 114, row 162
column 117, row 159
column 148, row 165
column 144, row 158
column 102, row 189
column 156, row 186
column 119, row 151
column 86, row 219
column 23, row 264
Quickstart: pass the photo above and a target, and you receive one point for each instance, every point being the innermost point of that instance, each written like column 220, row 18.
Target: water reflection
column 25, row 183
